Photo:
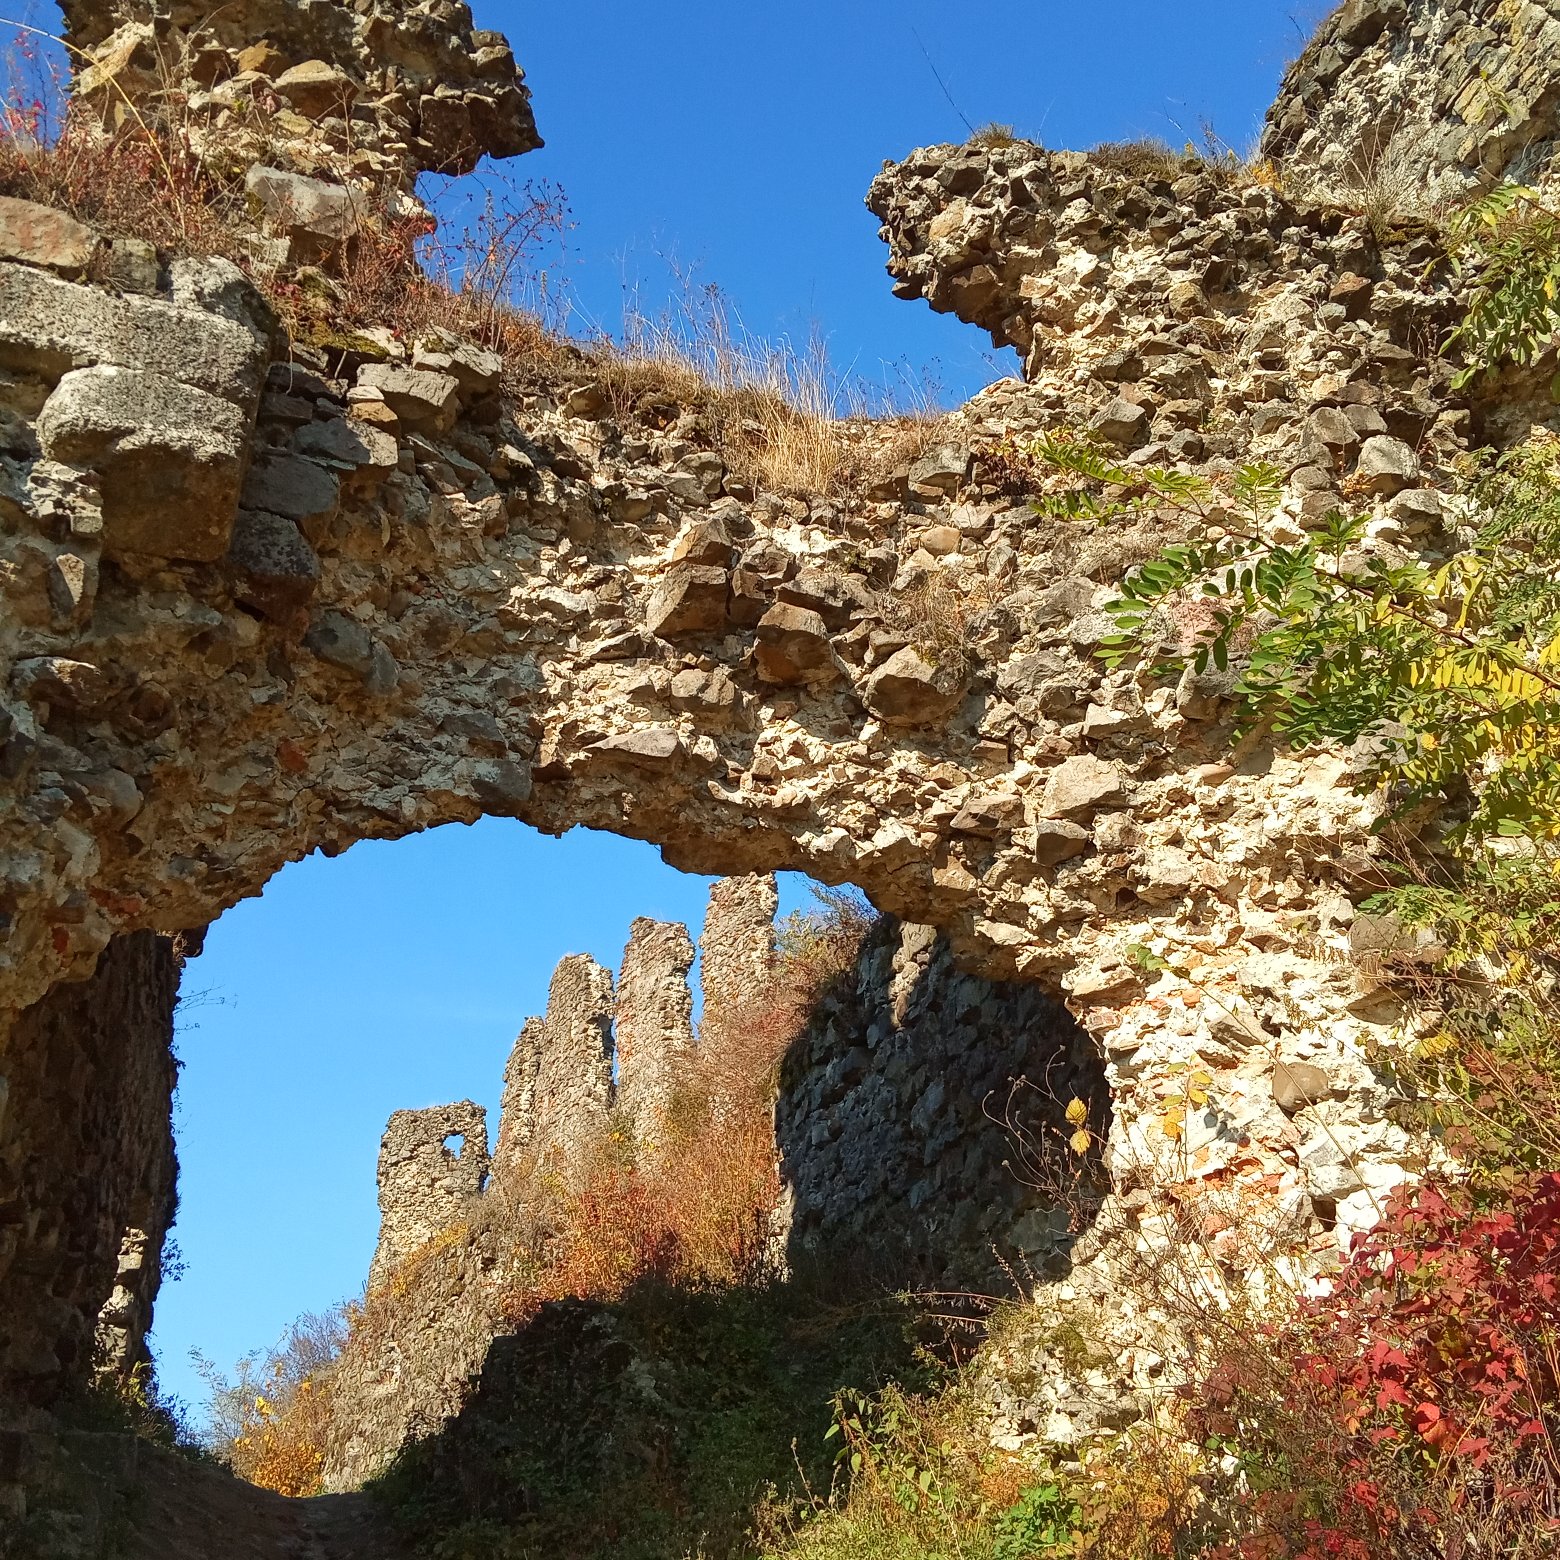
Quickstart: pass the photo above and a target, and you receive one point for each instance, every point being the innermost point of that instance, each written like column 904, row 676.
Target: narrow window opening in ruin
column 454, row 1144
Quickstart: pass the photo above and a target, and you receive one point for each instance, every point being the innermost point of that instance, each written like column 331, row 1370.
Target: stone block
column 49, row 326
column 653, row 747
column 316, row 218
column 341, row 641
column 940, row 472
column 369, row 452
column 171, row 458
column 133, row 266
column 1123, row 422
column 1081, row 784
column 910, row 689
column 316, row 88
column 1388, row 465
column 690, row 599
column 293, row 486
column 793, row 647
column 273, row 567
column 420, row 398
column 40, row 235
column 1057, row 840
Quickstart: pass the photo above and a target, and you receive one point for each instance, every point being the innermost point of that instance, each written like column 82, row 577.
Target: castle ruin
column 601, row 1046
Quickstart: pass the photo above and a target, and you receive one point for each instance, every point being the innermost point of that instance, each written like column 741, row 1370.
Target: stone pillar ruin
column 737, row 945
column 654, row 1031
column 424, row 1185
column 558, row 1085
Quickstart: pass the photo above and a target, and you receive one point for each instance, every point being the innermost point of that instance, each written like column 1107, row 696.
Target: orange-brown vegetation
column 696, row 1209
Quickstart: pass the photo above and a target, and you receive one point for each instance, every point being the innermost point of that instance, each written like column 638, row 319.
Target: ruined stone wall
column 1417, row 101
column 558, row 1084
column 432, row 1164
column 737, row 944
column 921, row 1133
column 87, row 1168
column 653, row 1024
column 256, row 599
column 374, row 92
column 430, row 1322
column 922, row 1120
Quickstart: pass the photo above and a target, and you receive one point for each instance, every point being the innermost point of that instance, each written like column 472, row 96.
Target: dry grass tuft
column 782, row 415
column 993, row 136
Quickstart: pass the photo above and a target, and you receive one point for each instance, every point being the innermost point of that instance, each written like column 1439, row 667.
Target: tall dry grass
column 785, row 417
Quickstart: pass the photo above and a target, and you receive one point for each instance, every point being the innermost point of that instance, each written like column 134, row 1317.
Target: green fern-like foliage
column 1449, row 675
column 1510, row 243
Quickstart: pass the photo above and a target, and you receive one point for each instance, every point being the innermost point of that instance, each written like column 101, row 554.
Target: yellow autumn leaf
column 1077, row 1112
column 1079, row 1142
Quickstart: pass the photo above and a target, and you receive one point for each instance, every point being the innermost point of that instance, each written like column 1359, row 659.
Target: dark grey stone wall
column 87, row 1173
column 922, row 1118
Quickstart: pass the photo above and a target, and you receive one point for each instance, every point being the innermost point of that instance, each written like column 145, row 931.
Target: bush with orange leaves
column 271, row 1421
column 699, row 1209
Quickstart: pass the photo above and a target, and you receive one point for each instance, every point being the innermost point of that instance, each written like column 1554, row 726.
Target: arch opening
column 608, row 1060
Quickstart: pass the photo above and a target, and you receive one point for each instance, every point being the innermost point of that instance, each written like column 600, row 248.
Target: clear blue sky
column 739, row 139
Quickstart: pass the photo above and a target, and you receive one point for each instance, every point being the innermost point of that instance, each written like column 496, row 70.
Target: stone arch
column 262, row 598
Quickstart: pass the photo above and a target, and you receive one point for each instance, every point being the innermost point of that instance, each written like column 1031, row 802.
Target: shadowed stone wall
column 87, row 1168
column 922, row 1119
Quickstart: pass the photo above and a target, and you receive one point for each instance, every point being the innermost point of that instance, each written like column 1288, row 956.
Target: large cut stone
column 1388, row 465
column 1079, row 785
column 171, row 458
column 417, row 396
column 48, row 327
column 654, row 746
column 316, row 218
column 292, row 486
column 908, row 689
column 316, row 88
column 40, row 235
column 940, row 472
column 793, row 646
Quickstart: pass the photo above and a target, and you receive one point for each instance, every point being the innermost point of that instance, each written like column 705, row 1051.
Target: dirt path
column 179, row 1510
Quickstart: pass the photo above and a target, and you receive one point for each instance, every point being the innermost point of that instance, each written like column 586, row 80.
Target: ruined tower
column 654, row 1029
column 737, row 945
column 432, row 1163
column 558, row 1084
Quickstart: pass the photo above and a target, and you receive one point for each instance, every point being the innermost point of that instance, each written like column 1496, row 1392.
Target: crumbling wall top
column 381, row 89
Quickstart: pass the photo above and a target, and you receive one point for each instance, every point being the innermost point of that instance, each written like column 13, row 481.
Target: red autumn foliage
column 1413, row 1411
